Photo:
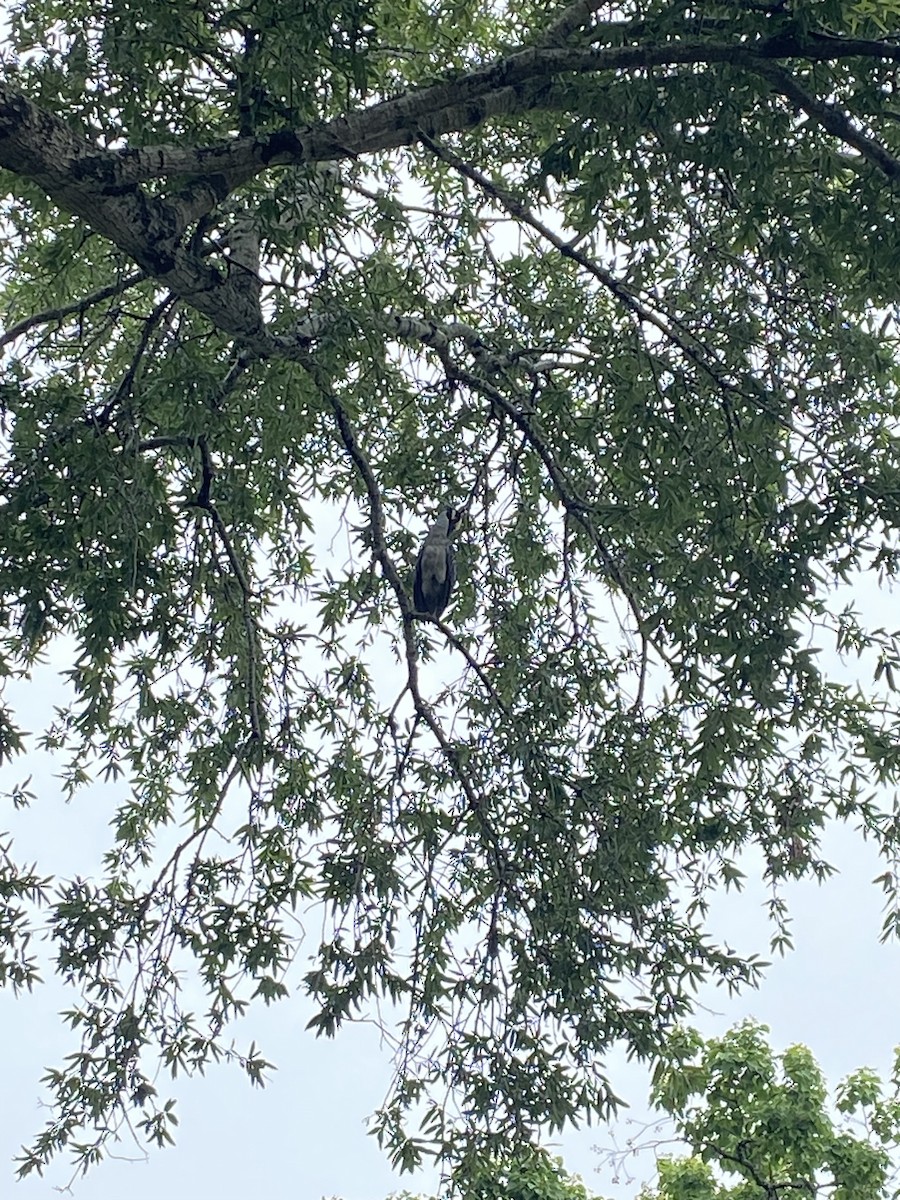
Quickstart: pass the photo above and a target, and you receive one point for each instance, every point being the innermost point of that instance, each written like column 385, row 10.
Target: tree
column 755, row 1125
column 617, row 280
column 764, row 1123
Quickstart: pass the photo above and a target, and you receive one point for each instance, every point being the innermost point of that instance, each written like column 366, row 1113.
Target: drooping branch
column 423, row 710
column 576, row 506
column 674, row 331
column 203, row 500
column 159, row 317
column 690, row 346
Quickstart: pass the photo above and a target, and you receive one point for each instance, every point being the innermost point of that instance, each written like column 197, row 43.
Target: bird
column 436, row 566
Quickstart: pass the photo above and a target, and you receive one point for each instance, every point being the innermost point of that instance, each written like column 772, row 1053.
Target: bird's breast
column 434, row 563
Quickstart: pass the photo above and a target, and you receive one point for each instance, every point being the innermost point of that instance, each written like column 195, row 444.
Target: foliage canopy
column 620, row 280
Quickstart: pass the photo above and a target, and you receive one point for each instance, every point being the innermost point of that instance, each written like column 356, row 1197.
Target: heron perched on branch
column 435, row 566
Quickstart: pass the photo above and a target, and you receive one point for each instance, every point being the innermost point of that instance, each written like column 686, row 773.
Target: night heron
column 435, row 566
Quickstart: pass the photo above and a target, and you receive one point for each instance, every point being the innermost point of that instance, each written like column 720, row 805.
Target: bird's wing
column 418, row 596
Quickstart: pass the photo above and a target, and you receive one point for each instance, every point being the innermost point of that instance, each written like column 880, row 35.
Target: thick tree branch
column 41, row 147
column 78, row 165
column 102, row 186
column 461, row 103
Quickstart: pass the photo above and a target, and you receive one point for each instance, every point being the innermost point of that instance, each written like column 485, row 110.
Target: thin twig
column 200, row 832
column 476, row 667
column 203, row 501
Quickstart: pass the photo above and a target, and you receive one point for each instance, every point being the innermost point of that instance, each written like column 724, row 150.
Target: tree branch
column 203, row 501
column 573, row 17
column 423, row 709
column 51, row 315
column 576, row 506
column 216, row 170
column 691, row 346
column 829, row 117
column 41, row 147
